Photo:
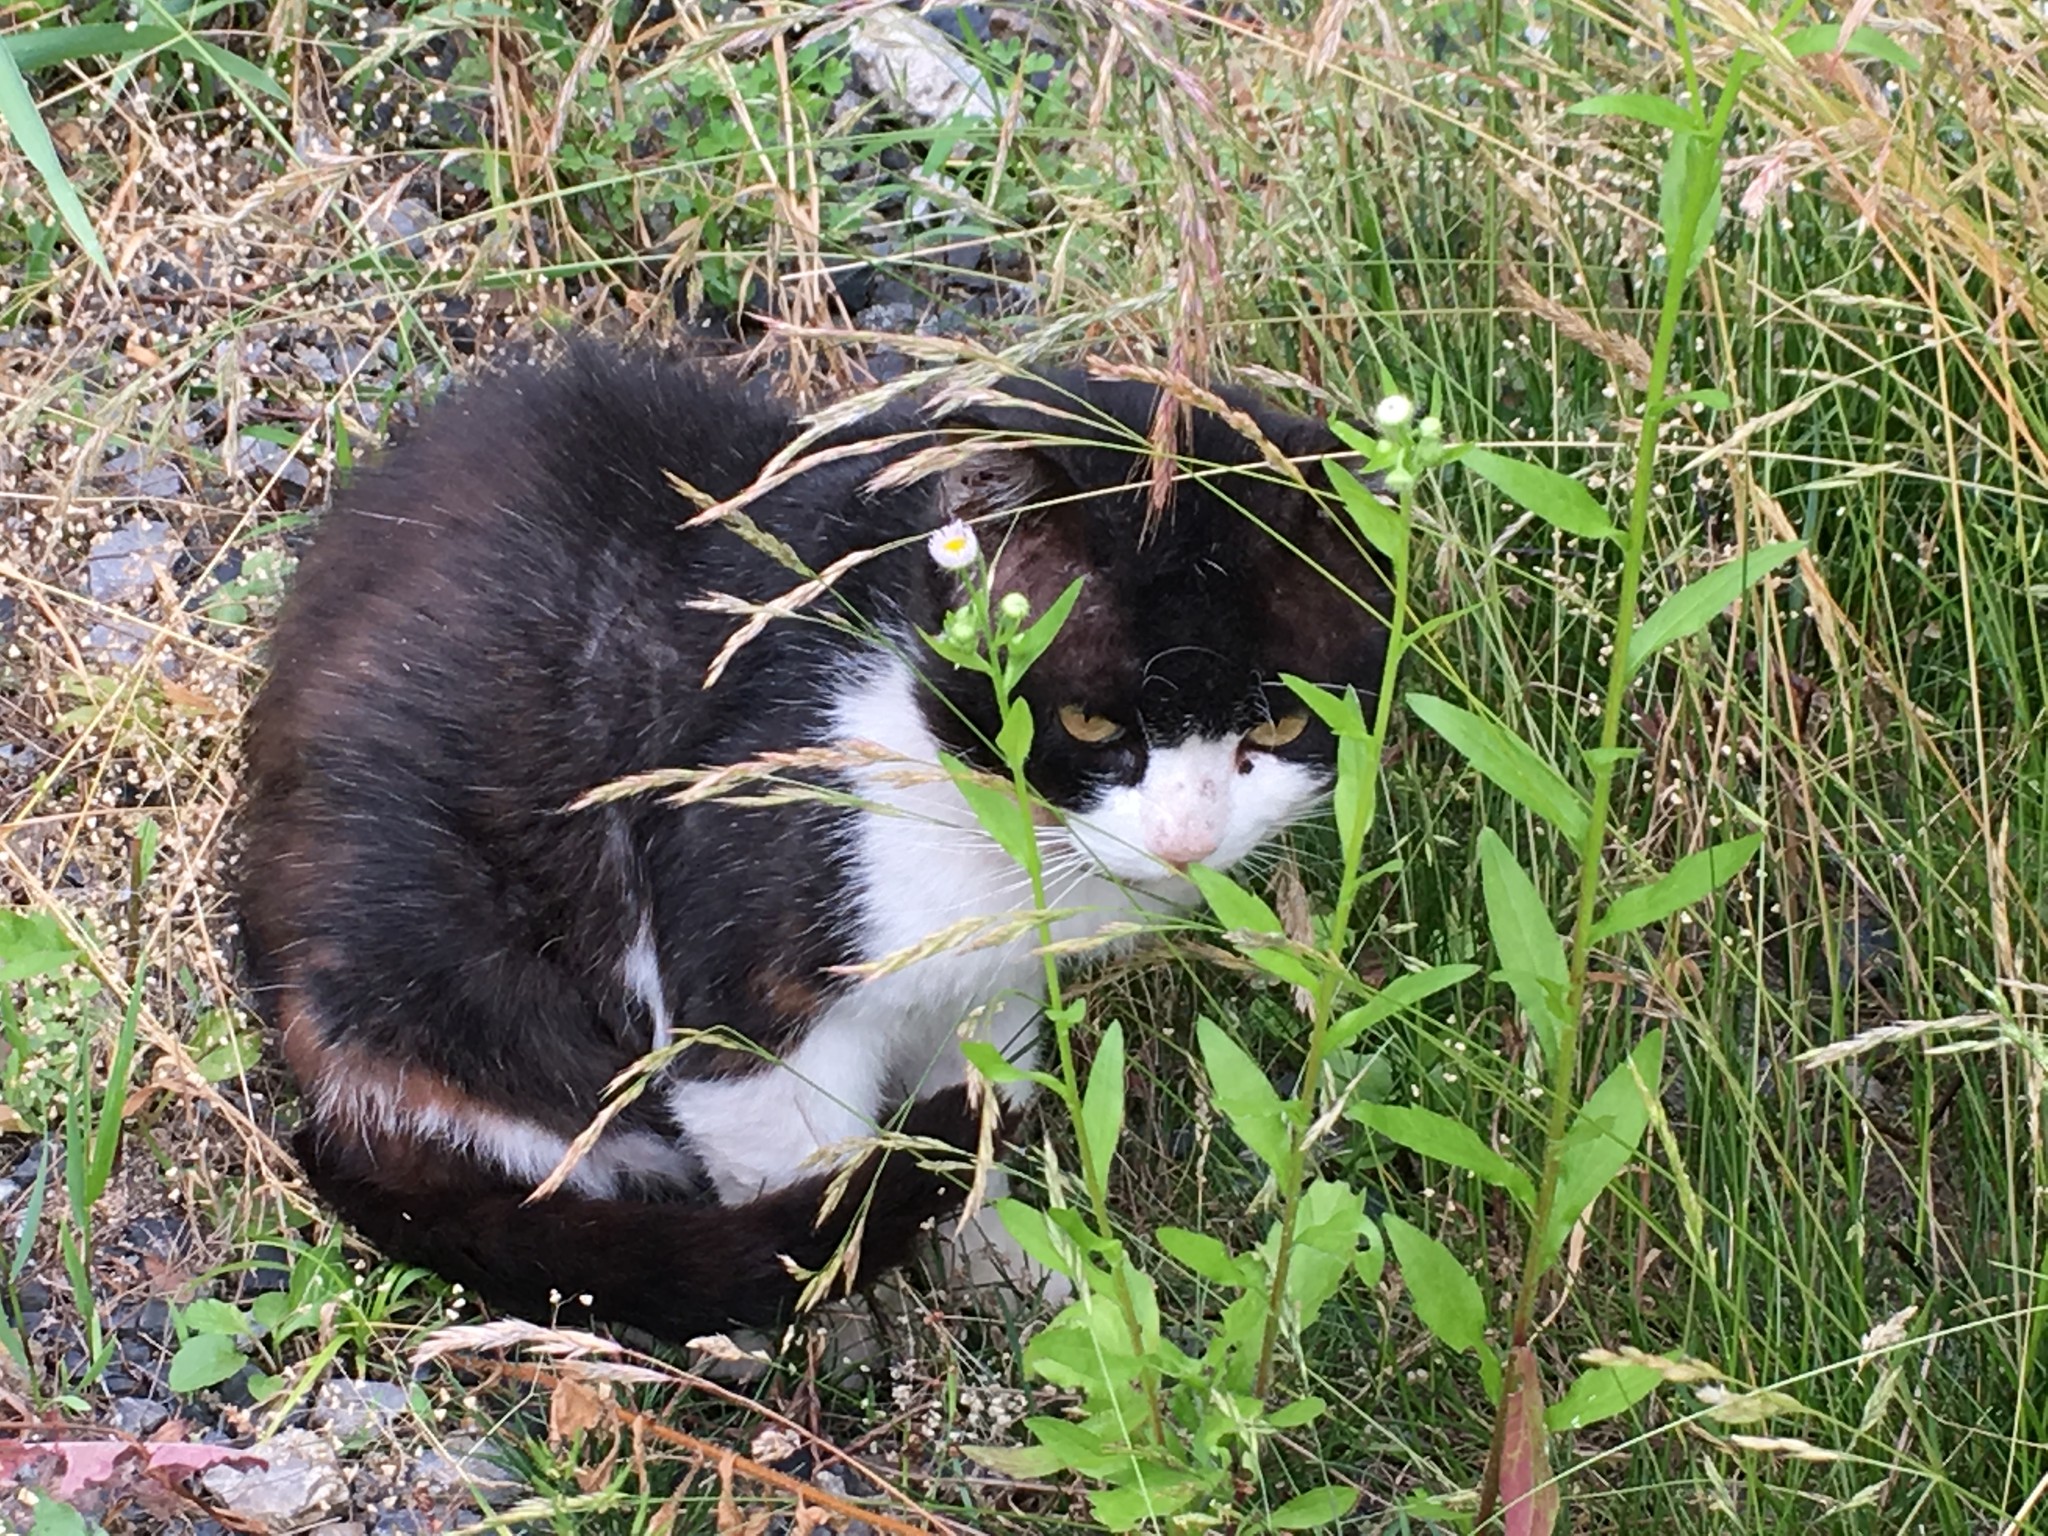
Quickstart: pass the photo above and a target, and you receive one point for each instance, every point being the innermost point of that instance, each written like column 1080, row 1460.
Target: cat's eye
column 1269, row 734
column 1096, row 730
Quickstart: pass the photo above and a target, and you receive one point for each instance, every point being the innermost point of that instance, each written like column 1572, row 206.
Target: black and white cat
column 503, row 617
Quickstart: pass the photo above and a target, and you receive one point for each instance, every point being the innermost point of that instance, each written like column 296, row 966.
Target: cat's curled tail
column 675, row 1268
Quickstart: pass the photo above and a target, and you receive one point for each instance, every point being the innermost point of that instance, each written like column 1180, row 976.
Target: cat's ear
column 999, row 479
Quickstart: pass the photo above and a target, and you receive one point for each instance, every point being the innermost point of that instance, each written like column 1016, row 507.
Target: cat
column 506, row 614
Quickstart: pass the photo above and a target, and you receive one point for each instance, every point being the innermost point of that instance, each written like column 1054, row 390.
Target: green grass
column 1211, row 194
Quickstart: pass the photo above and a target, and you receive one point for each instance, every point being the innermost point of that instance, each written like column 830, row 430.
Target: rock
column 900, row 318
column 347, row 1408
column 258, row 458
column 119, row 642
column 916, row 69
column 138, row 1415
column 123, row 565
column 340, row 1528
column 462, row 1464
column 402, row 224
column 300, row 1483
column 145, row 482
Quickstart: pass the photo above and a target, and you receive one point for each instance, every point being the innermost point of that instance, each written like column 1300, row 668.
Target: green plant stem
column 1337, row 944
column 1564, row 1067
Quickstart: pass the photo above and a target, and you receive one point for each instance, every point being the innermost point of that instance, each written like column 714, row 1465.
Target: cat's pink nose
column 1182, row 848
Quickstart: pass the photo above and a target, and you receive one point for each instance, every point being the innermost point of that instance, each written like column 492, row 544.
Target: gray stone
column 901, row 318
column 300, row 1483
column 348, row 1408
column 401, row 224
column 258, row 458
column 143, row 481
column 461, row 1463
column 119, row 642
column 123, row 565
column 138, row 1415
column 916, row 69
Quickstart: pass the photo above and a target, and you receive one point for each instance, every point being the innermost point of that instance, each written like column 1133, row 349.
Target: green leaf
column 1657, row 111
column 1865, row 42
column 1444, row 1296
column 1284, row 963
column 1445, row 1140
column 1236, row 908
column 1558, row 499
column 1031, row 642
column 1692, row 167
column 1600, row 1393
column 1383, row 527
column 1016, row 1461
column 1692, row 878
column 44, row 46
column 56, row 1518
column 1303, row 1410
column 1531, row 953
column 1508, row 761
column 204, row 1360
column 1027, row 1224
column 1342, row 713
column 1013, row 741
column 1402, row 992
column 1102, row 1104
column 1204, row 1255
column 993, row 1065
column 24, row 122
column 33, row 944
column 1696, row 604
column 1246, row 1097
column 1319, row 1506
column 1603, row 1138
column 997, row 808
column 207, row 1315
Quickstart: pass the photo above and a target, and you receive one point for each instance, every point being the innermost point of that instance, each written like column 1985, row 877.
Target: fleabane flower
column 1394, row 411
column 953, row 547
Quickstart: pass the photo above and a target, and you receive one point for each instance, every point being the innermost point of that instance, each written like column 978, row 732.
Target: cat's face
column 1163, row 729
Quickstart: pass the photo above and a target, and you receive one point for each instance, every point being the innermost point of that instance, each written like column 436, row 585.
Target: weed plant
column 1661, row 1147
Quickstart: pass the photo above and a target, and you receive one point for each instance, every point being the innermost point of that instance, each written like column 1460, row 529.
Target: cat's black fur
column 495, row 620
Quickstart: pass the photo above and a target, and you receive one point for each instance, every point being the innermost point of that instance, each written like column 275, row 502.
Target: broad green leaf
column 1341, row 712
column 1603, row 1137
column 1236, row 908
column 1699, row 602
column 1013, row 741
column 1245, row 1095
column 33, row 944
column 1032, row 640
column 204, row 1360
column 1078, row 1447
column 1102, row 1104
column 1371, row 1261
column 1383, row 527
column 997, row 808
column 1508, row 761
column 1019, row 1461
column 1866, row 42
column 1284, row 963
column 24, row 122
column 1444, row 1296
column 1558, row 499
column 1600, row 1393
column 1303, row 1410
column 1692, row 878
column 56, row 1518
column 1319, row 1506
column 207, row 1315
column 1148, row 1494
column 1531, row 954
column 1692, row 165
column 1204, row 1255
column 1352, row 804
column 1027, row 1224
column 1657, row 111
column 1445, row 1140
column 1402, row 992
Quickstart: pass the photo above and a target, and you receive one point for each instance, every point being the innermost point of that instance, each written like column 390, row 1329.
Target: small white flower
column 1015, row 605
column 1430, row 429
column 1394, row 411
column 953, row 547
